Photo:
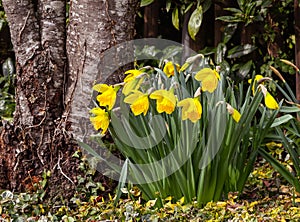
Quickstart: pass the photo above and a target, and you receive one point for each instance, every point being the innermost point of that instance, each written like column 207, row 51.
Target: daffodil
column 234, row 113
column 165, row 100
column 191, row 109
column 132, row 85
column 132, row 74
column 269, row 99
column 139, row 102
column 209, row 79
column 100, row 120
column 108, row 95
column 256, row 79
column 169, row 68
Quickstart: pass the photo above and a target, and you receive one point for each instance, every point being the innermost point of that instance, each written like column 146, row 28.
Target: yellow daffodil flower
column 132, row 74
column 132, row 85
column 191, row 109
column 108, row 95
column 270, row 102
column 165, row 100
column 169, row 68
column 256, row 79
column 209, row 79
column 234, row 113
column 100, row 120
column 139, row 102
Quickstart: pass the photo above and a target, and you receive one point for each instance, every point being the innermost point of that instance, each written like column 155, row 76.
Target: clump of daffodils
column 175, row 124
column 139, row 98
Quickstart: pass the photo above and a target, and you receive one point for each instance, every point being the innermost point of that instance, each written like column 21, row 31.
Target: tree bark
column 89, row 35
column 38, row 36
column 39, row 139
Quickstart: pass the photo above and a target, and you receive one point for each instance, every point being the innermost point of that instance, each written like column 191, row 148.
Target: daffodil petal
column 132, row 85
column 132, row 74
column 169, row 68
column 191, row 109
column 139, row 102
column 101, row 87
column 236, row 115
column 133, row 97
column 209, row 79
column 210, row 83
column 141, row 105
column 270, row 101
column 165, row 101
column 100, row 120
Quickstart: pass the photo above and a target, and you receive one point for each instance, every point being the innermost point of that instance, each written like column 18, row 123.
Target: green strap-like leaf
column 281, row 120
column 281, row 169
column 122, row 180
column 175, row 18
column 146, row 2
column 195, row 22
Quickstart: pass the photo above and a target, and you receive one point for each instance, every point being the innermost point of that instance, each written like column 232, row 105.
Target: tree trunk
column 38, row 35
column 38, row 139
column 89, row 35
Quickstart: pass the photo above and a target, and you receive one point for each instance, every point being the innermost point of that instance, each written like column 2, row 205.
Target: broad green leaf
column 230, row 19
column 234, row 10
column 245, row 69
column 221, row 50
column 240, row 50
column 229, row 31
column 175, row 18
column 146, row 2
column 168, row 5
column 206, row 5
column 8, row 67
column 281, row 120
column 195, row 22
column 288, row 109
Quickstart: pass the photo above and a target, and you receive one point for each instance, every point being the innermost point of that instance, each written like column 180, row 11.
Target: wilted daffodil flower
column 100, row 120
column 256, row 79
column 165, row 100
column 269, row 99
column 169, row 68
column 108, row 95
column 234, row 113
column 191, row 109
column 139, row 102
column 132, row 74
column 209, row 78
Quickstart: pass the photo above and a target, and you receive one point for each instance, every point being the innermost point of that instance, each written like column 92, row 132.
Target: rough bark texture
column 89, row 35
column 39, row 139
column 38, row 35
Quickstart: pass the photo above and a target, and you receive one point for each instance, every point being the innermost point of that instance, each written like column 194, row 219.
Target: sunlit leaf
column 175, row 18
column 146, row 2
column 240, row 50
column 281, row 120
column 195, row 22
